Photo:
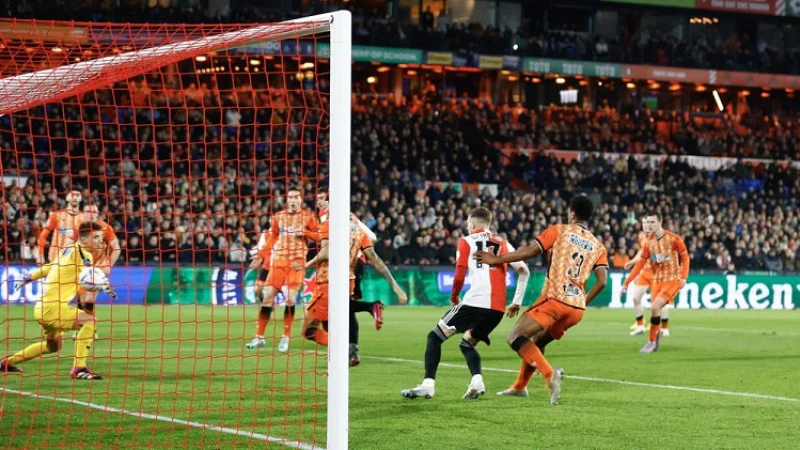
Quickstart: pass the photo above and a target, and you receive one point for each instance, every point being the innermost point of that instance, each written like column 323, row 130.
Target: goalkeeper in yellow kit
column 53, row 311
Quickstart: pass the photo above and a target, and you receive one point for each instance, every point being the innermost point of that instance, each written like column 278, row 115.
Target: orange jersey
column 62, row 225
column 286, row 242
column 665, row 255
column 576, row 254
column 359, row 241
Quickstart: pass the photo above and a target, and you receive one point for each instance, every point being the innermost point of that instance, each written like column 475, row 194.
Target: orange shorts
column 554, row 316
column 318, row 306
column 667, row 290
column 645, row 278
column 280, row 276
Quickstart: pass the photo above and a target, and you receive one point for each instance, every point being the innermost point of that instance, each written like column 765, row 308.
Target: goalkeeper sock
column 288, row 320
column 30, row 352
column 263, row 320
column 83, row 343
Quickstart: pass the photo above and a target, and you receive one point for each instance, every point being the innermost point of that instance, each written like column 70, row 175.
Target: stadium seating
column 726, row 51
column 738, row 218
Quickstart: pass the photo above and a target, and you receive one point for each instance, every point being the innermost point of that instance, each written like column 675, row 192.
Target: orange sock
column 665, row 324
column 288, row 320
column 531, row 354
column 263, row 320
column 654, row 330
column 640, row 321
column 524, row 376
column 321, row 337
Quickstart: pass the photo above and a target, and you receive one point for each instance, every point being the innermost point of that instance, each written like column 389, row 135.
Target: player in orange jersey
column 105, row 257
column 357, row 305
column 317, row 310
column 63, row 223
column 576, row 254
column 642, row 283
column 285, row 250
column 670, row 259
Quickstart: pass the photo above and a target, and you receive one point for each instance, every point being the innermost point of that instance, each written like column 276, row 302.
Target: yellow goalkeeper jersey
column 61, row 276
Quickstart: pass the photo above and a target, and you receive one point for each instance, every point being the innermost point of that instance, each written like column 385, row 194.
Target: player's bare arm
column 116, row 252
column 600, row 282
column 522, row 254
column 633, row 261
column 380, row 266
column 523, row 274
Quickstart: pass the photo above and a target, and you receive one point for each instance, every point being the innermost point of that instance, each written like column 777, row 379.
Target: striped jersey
column 487, row 283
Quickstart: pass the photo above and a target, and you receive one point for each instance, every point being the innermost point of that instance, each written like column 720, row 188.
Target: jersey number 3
column 489, row 246
column 575, row 270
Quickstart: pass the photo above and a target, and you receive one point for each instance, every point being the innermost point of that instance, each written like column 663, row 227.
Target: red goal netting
column 184, row 139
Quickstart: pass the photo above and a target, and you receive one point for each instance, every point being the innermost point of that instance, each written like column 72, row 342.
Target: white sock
column 429, row 382
column 477, row 379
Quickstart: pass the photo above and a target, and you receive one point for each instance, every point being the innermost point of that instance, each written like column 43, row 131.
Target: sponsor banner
column 569, row 68
column 439, row 58
column 512, row 62
column 490, row 62
column 768, row 7
column 387, row 55
column 426, row 286
column 719, row 292
column 670, row 3
column 431, row 287
column 676, row 74
column 43, row 31
column 131, row 285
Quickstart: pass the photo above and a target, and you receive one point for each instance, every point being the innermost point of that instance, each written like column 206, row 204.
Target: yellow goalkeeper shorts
column 56, row 318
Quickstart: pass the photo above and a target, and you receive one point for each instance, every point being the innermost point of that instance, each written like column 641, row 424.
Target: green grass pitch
column 176, row 375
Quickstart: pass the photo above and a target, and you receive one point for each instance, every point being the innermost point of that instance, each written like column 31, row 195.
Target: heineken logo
column 723, row 292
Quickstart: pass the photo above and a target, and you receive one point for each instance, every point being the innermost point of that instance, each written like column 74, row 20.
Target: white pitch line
column 203, row 426
column 679, row 327
column 608, row 380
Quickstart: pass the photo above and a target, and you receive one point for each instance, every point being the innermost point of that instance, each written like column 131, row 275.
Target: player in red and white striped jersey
column 481, row 309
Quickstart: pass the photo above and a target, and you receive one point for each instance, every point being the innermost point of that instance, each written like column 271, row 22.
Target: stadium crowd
column 715, row 50
column 192, row 177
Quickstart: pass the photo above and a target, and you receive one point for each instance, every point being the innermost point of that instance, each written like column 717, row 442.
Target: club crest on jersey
column 286, row 230
column 580, row 242
column 660, row 258
column 66, row 231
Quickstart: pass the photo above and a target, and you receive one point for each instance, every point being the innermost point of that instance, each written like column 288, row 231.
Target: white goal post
column 340, row 26
column 339, row 207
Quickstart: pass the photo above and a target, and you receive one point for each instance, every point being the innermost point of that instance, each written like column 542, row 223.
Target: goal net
column 186, row 139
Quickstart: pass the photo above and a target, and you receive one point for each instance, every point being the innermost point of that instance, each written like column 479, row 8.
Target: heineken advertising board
column 426, row 286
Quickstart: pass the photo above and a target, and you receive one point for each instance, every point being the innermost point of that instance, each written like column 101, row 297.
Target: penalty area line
column 613, row 381
column 233, row 431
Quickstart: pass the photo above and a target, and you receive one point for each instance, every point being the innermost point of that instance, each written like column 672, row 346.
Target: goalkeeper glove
column 26, row 278
column 110, row 291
